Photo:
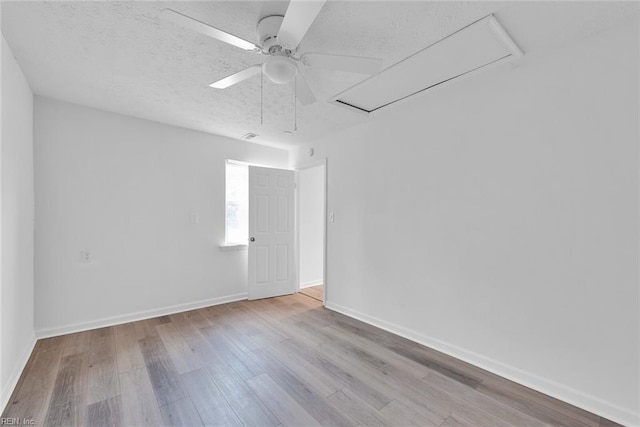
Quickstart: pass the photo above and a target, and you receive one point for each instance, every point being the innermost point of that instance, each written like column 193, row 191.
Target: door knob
column 252, row 239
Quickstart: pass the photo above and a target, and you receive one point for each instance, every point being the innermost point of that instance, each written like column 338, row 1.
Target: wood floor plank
column 77, row 343
column 237, row 328
column 184, row 359
column 357, row 410
column 312, row 401
column 427, row 401
column 456, row 421
column 31, row 397
column 163, row 375
column 277, row 312
column 181, row 413
column 252, row 325
column 101, row 344
column 498, row 409
column 608, row 423
column 208, row 399
column 139, row 403
column 68, row 406
column 280, row 403
column 412, row 352
column 128, row 355
column 434, row 360
column 147, row 328
column 497, row 386
column 103, row 380
column 532, row 405
column 311, row 314
column 408, row 365
column 248, row 407
column 197, row 318
column 345, row 346
column 164, row 319
column 403, row 415
column 227, row 346
column 474, row 418
column 265, row 324
column 105, row 413
column 308, row 372
column 194, row 338
column 369, row 394
column 413, row 391
column 315, row 292
column 368, row 353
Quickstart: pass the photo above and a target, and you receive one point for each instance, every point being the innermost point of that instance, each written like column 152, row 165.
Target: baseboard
column 141, row 315
column 311, row 283
column 535, row 382
column 12, row 382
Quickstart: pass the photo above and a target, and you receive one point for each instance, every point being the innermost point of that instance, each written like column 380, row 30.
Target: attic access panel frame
column 475, row 47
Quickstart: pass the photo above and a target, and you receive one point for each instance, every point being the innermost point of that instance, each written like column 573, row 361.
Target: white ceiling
column 117, row 56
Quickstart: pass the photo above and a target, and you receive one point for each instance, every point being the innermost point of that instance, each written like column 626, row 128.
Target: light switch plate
column 193, row 218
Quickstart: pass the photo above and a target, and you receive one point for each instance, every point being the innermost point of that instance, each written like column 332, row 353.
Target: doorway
column 311, row 195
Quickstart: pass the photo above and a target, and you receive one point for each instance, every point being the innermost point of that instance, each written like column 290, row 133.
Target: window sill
column 233, row 246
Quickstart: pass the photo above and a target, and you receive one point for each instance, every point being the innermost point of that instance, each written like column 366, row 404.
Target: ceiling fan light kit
column 280, row 69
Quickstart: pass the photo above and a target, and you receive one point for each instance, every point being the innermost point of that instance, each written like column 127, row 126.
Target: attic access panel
column 469, row 49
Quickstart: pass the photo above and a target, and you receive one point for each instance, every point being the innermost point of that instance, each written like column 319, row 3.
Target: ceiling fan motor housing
column 268, row 28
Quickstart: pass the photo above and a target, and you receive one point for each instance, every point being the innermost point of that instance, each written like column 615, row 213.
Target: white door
column 271, row 232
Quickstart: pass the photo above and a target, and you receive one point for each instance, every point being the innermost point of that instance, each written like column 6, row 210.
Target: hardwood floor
column 315, row 292
column 280, row 361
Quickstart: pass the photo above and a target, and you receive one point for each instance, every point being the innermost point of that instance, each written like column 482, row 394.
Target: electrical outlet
column 86, row 257
column 332, row 217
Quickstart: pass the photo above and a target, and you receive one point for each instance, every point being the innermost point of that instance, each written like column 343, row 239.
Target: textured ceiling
column 118, row 56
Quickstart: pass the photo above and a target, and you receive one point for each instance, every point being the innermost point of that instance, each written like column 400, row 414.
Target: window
column 237, row 203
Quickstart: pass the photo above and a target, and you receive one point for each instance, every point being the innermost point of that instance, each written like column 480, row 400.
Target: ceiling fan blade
column 237, row 77
column 304, row 94
column 353, row 64
column 299, row 17
column 206, row 29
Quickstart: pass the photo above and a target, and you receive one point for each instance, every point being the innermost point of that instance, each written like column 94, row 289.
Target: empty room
column 304, row 212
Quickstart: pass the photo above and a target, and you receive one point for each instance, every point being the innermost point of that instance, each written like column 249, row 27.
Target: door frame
column 323, row 163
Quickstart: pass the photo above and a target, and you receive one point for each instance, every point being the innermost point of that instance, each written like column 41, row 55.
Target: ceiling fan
column 280, row 38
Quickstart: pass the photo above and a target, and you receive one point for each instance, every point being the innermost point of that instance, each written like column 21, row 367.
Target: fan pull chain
column 295, row 105
column 261, row 97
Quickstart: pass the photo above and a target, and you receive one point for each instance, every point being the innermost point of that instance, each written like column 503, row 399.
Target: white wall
column 311, row 225
column 123, row 188
column 497, row 220
column 16, row 165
